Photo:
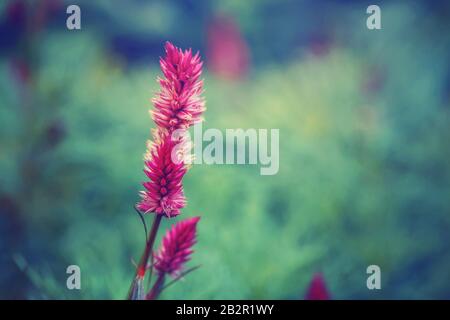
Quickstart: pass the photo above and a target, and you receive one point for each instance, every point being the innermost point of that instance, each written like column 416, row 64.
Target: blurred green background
column 364, row 146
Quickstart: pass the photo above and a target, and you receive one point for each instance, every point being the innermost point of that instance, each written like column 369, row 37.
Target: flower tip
column 195, row 220
column 170, row 48
column 317, row 288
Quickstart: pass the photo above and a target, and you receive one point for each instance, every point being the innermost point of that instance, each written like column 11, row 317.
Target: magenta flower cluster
column 178, row 105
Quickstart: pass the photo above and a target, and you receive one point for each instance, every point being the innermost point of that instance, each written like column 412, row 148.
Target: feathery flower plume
column 176, row 247
column 164, row 192
column 179, row 104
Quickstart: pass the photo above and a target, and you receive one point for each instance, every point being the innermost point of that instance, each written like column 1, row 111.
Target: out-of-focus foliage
column 364, row 158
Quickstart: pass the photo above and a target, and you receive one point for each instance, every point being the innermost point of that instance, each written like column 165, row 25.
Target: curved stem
column 142, row 266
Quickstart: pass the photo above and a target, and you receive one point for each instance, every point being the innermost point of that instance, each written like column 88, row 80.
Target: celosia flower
column 165, row 169
column 178, row 105
column 176, row 247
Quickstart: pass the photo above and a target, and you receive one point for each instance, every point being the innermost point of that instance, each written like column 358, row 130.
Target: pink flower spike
column 176, row 247
column 317, row 289
column 164, row 192
column 179, row 104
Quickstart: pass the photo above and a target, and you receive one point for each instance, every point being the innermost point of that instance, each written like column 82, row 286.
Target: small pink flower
column 179, row 104
column 164, row 192
column 176, row 247
column 317, row 289
column 228, row 52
